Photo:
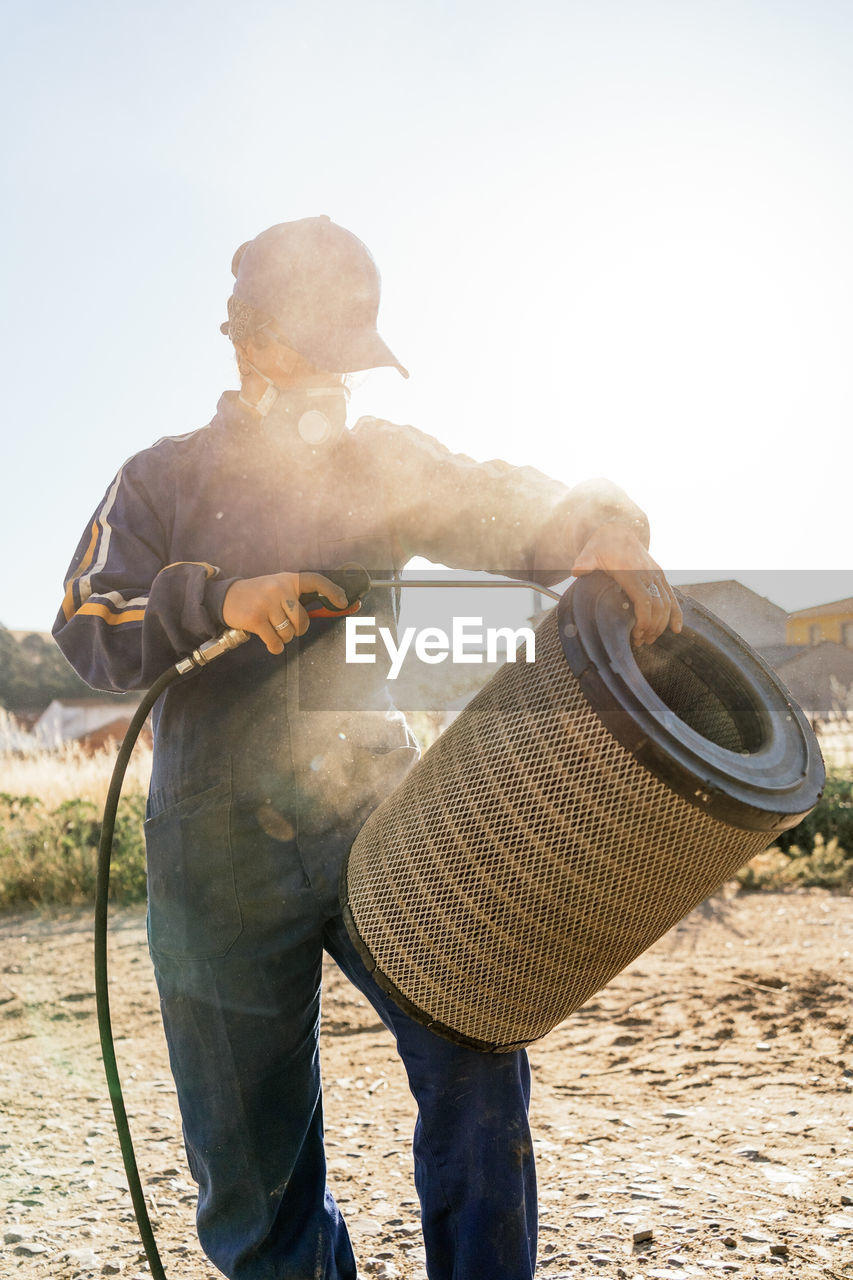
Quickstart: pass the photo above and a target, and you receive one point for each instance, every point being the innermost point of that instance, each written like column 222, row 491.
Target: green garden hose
column 101, row 985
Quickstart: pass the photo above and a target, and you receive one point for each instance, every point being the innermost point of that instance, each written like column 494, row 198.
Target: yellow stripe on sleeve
column 68, row 602
column 114, row 619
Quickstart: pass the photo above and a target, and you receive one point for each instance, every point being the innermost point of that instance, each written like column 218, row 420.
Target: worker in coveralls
column 267, row 763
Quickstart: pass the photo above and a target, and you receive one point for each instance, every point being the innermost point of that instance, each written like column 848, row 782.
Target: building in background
column 90, row 722
column 822, row 622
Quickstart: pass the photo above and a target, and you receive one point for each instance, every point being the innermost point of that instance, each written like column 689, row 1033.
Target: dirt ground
column 703, row 1098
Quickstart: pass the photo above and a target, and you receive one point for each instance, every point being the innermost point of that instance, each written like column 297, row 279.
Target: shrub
column 48, row 856
column 825, row 866
column 832, row 817
column 50, row 826
column 818, row 853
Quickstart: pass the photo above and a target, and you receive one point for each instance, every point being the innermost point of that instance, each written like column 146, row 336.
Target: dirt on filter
column 693, row 1119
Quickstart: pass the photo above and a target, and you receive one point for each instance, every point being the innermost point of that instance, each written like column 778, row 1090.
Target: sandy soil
column 704, row 1098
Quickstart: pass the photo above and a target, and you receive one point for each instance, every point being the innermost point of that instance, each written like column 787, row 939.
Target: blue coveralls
column 264, row 769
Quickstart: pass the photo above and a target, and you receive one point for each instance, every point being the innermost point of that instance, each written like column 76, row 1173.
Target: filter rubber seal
column 769, row 784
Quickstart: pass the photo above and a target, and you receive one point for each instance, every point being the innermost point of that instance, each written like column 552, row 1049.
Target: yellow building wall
column 799, row 630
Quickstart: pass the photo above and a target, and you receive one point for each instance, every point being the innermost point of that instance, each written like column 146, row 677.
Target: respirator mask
column 317, row 415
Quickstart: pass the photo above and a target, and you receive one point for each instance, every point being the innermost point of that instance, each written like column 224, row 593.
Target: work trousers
column 243, row 1035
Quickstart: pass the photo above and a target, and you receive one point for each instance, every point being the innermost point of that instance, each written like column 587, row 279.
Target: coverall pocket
column 193, row 910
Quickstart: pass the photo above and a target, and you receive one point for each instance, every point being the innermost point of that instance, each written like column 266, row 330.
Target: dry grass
column 70, row 774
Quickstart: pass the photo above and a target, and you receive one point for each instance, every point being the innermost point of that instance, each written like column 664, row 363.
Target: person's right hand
column 615, row 548
column 269, row 606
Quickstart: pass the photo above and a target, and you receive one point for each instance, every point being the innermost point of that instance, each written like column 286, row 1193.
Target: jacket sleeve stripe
column 109, row 616
column 68, row 602
column 79, row 584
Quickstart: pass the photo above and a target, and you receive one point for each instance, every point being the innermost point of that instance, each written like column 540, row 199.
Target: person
column 267, row 763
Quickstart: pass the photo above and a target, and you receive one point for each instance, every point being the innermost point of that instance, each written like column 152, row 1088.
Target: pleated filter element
column 576, row 810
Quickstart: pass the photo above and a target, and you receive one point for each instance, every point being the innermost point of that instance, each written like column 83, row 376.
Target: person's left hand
column 615, row 548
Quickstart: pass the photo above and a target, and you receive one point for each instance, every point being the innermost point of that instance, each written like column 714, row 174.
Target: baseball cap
column 320, row 287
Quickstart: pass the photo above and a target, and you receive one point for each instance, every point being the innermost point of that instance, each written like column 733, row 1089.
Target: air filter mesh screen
column 529, row 858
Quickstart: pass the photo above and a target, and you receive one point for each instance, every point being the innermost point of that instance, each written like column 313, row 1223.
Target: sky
column 614, row 236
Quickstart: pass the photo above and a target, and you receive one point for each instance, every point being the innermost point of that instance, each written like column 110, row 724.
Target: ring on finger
column 282, row 626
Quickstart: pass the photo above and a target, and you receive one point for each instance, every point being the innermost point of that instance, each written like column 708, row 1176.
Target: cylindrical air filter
column 575, row 810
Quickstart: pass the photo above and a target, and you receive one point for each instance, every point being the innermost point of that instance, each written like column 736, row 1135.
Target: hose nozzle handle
column 355, row 581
